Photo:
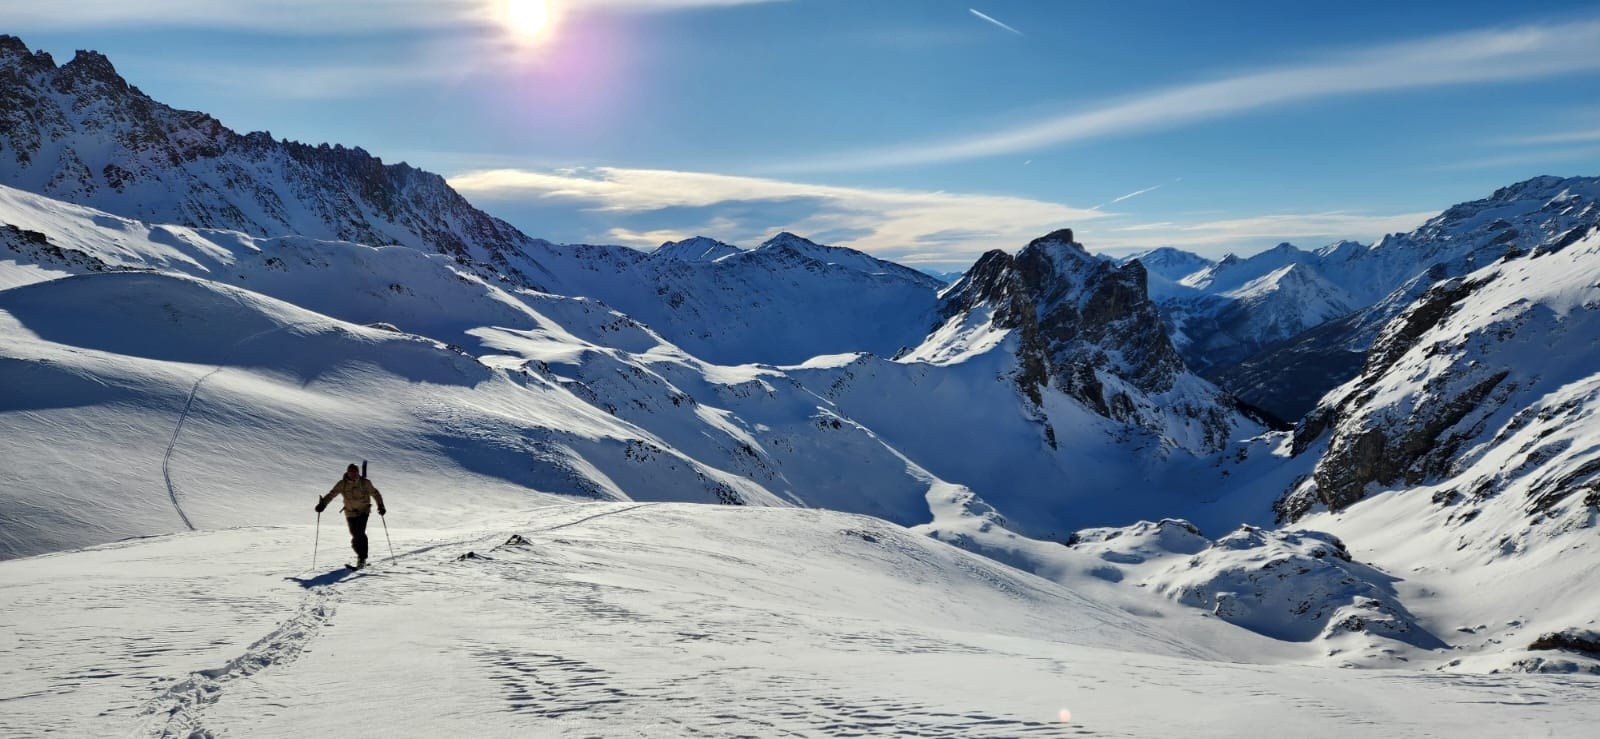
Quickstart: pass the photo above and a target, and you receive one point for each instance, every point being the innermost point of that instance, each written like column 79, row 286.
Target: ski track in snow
column 166, row 460
column 183, row 417
column 176, row 712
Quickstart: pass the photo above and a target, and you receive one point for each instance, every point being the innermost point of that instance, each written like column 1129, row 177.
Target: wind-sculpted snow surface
column 1291, row 585
column 671, row 620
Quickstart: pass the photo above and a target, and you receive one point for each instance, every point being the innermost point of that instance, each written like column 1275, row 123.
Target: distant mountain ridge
column 783, row 302
column 1287, row 312
column 81, row 133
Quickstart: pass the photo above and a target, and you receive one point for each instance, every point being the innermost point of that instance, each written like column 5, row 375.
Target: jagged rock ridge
column 1086, row 326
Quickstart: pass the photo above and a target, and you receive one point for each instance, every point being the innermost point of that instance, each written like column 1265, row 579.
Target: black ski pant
column 358, row 532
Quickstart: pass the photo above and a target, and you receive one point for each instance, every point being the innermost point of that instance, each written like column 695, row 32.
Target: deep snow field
column 627, row 619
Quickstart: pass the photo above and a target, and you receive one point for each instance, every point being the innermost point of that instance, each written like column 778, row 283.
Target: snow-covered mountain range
column 783, row 302
column 202, row 327
column 1248, row 323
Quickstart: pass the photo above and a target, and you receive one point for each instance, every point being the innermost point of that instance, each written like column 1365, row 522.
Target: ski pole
column 316, row 540
column 386, row 536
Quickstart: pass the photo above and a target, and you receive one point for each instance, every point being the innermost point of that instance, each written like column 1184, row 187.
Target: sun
column 531, row 21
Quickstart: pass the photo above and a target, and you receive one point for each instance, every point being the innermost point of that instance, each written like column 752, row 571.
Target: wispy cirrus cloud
column 1483, row 56
column 989, row 19
column 913, row 226
column 645, row 207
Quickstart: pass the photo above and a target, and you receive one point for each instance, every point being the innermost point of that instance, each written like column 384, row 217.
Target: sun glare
column 531, row 21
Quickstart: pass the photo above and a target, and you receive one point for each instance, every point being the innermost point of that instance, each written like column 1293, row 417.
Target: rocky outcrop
column 1583, row 641
column 1086, row 326
column 1477, row 386
column 1078, row 316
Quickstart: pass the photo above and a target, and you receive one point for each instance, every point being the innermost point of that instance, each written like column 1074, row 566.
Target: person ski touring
column 359, row 495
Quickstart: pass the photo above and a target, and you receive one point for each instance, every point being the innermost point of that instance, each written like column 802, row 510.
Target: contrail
column 976, row 12
column 1135, row 193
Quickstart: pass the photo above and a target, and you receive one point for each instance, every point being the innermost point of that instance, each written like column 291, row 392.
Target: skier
column 359, row 495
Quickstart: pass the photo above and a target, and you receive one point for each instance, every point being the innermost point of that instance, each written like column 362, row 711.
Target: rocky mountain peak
column 1058, row 236
column 1085, row 326
column 12, row 46
column 88, row 64
column 787, row 240
column 15, row 56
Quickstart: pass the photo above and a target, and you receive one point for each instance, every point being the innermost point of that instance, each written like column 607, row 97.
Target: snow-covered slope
column 1467, row 447
column 1222, row 312
column 664, row 620
column 191, row 379
column 1478, row 359
column 784, row 302
column 79, row 132
column 850, row 432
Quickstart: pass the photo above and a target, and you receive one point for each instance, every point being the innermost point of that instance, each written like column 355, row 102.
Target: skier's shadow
column 326, row 578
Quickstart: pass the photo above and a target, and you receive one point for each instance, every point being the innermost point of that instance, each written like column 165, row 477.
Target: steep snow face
column 79, row 132
column 1217, row 329
column 1231, row 309
column 1462, row 370
column 783, row 302
column 1232, row 272
column 1467, row 446
column 1084, row 326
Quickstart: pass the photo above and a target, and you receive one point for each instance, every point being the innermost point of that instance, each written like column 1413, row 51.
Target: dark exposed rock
column 1086, row 326
column 1586, row 641
column 1376, row 456
column 1423, row 315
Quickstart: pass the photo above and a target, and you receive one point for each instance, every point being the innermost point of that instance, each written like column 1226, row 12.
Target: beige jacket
column 358, row 496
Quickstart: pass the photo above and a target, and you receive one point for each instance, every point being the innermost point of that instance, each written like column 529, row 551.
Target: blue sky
column 919, row 130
